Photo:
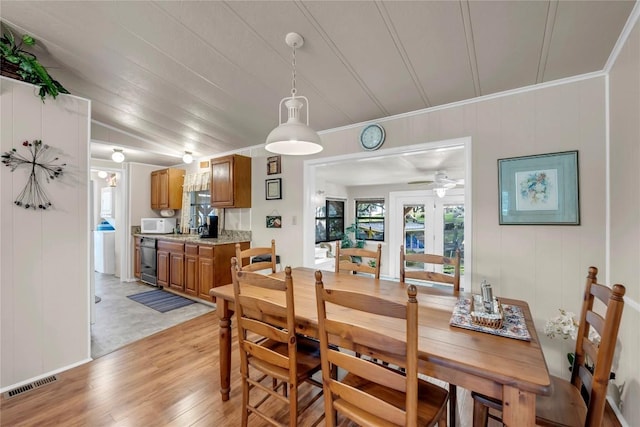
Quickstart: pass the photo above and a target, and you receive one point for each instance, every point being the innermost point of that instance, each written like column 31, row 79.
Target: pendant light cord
column 293, row 81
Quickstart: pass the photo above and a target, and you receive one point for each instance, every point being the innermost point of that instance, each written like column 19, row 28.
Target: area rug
column 160, row 300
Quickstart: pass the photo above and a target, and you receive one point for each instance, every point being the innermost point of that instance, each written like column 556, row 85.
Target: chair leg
column 245, row 402
column 293, row 405
column 453, row 399
column 480, row 414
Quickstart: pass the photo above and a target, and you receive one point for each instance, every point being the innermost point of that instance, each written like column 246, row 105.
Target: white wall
column 544, row 265
column 44, row 287
column 624, row 188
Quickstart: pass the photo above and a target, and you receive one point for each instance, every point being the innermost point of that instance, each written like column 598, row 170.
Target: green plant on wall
column 26, row 64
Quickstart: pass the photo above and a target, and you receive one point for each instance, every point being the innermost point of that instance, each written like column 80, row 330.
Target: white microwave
column 157, row 225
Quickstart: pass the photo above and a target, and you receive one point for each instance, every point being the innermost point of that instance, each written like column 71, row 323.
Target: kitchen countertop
column 226, row 237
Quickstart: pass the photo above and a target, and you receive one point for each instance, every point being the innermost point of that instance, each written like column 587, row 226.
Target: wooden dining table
column 509, row 369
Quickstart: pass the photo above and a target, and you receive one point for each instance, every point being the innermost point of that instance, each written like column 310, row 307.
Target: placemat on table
column 513, row 325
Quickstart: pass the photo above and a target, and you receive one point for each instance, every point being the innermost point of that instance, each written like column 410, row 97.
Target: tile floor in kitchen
column 120, row 320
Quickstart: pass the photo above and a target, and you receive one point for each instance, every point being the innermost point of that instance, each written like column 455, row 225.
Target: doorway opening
column 414, row 159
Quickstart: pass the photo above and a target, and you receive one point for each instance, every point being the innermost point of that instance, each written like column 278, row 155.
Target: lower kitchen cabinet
column 192, row 269
column 170, row 268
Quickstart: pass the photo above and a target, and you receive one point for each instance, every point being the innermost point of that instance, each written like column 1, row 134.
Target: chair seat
column 431, row 401
column 564, row 407
column 308, row 359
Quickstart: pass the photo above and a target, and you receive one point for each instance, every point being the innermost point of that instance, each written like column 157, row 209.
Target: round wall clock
column 372, row 137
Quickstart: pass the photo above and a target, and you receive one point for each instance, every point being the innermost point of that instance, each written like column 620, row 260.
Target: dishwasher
column 148, row 261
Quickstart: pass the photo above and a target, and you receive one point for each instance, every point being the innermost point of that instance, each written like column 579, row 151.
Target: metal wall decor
column 42, row 165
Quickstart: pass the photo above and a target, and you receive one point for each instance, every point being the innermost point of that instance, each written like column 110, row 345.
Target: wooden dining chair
column 452, row 280
column 580, row 401
column 358, row 260
column 269, row 347
column 371, row 394
column 245, row 257
column 431, row 276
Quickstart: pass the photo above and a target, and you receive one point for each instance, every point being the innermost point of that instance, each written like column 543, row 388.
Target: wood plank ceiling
column 208, row 76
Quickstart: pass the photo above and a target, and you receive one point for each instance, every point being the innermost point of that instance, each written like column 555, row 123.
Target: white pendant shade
column 293, row 137
column 187, row 157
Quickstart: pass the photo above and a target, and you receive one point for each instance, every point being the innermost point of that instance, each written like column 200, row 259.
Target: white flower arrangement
column 566, row 326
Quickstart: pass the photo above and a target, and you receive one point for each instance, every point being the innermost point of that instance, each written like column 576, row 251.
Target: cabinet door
column 163, row 268
column 222, row 182
column 205, row 272
column 191, row 269
column 176, row 271
column 137, row 260
column 155, row 184
column 163, row 189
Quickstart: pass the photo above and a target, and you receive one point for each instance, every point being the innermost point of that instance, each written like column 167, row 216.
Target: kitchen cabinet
column 137, row 259
column 191, row 269
column 170, row 266
column 166, row 188
column 231, row 182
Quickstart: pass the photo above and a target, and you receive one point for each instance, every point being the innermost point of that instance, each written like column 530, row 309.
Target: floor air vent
column 25, row 388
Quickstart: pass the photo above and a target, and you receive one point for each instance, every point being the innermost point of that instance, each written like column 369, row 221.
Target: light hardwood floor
column 169, row 378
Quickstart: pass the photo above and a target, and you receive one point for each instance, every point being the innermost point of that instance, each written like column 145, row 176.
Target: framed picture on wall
column 273, row 188
column 274, row 165
column 274, row 221
column 539, row 189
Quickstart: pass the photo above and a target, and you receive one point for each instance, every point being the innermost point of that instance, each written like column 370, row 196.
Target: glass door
column 428, row 225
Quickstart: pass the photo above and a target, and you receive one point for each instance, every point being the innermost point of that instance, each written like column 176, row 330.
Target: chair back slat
column 265, row 354
column 592, row 363
column 364, row 302
column 376, row 407
column 431, row 276
column 346, row 260
column 244, row 257
column 360, row 336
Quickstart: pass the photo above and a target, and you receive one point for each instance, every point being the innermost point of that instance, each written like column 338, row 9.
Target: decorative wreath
column 33, row 195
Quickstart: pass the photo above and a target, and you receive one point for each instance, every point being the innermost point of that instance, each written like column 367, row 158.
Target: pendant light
column 117, row 155
column 187, row 157
column 293, row 137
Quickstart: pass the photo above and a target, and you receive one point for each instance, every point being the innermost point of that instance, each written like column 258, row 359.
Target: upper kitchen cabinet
column 166, row 188
column 231, row 182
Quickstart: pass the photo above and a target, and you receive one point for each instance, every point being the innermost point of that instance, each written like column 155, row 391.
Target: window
column 370, row 220
column 200, row 208
column 330, row 221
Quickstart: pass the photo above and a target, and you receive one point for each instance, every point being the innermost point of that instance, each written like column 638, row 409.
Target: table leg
column 224, row 314
column 518, row 407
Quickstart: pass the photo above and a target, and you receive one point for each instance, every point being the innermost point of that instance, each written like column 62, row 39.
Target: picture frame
column 274, row 165
column 273, row 189
column 274, row 221
column 539, row 189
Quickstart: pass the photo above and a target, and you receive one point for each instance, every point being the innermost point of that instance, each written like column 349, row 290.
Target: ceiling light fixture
column 117, row 155
column 188, row 157
column 293, row 137
column 440, row 191
column 102, row 174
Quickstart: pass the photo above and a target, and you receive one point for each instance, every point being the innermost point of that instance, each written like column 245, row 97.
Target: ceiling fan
column 440, row 183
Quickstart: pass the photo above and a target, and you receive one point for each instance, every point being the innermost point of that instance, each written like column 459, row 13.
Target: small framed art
column 273, row 165
column 540, row 189
column 274, row 221
column 273, row 189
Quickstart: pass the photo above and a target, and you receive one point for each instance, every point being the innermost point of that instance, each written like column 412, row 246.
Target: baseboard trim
column 47, row 374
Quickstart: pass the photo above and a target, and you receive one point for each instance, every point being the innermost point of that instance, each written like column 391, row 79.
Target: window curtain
column 192, row 182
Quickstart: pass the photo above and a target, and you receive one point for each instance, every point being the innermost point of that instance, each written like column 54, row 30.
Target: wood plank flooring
column 167, row 379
